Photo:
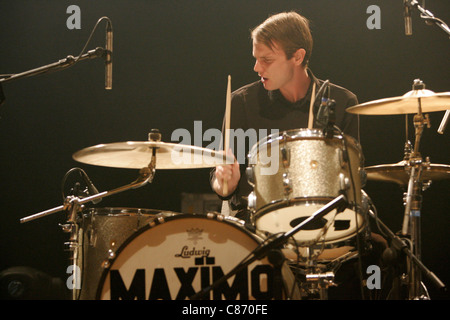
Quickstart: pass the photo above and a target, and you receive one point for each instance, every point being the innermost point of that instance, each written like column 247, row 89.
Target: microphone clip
column 326, row 116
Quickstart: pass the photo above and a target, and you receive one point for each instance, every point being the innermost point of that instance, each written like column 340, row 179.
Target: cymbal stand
column 71, row 203
column 74, row 203
column 413, row 197
column 74, row 206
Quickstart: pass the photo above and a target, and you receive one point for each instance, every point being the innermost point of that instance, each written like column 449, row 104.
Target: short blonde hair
column 290, row 30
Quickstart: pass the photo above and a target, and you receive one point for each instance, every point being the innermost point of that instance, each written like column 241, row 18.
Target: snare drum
column 312, row 170
column 101, row 232
column 176, row 257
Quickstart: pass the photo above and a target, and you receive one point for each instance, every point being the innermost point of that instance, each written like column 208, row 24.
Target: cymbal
column 399, row 173
column 137, row 155
column 406, row 104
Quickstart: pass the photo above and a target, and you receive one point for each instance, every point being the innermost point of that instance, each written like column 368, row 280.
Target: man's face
column 275, row 70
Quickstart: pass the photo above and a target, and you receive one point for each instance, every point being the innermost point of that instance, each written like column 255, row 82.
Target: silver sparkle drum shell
column 101, row 233
column 311, row 170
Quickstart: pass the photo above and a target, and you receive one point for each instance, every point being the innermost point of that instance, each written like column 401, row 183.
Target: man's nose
column 257, row 67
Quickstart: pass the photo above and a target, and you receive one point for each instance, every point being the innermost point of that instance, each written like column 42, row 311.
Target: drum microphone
column 325, row 115
column 407, row 16
column 91, row 188
column 108, row 60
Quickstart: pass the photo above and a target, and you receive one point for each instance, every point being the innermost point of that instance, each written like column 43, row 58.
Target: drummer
column 280, row 99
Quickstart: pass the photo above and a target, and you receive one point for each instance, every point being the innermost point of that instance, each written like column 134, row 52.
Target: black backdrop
column 171, row 62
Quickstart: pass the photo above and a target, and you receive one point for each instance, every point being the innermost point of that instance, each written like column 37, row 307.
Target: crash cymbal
column 137, row 155
column 399, row 173
column 406, row 104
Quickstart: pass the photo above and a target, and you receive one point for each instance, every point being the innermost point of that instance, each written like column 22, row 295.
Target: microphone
column 407, row 16
column 91, row 188
column 108, row 60
column 325, row 114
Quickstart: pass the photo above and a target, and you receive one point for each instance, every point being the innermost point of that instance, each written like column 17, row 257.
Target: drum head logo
column 192, row 256
column 194, row 234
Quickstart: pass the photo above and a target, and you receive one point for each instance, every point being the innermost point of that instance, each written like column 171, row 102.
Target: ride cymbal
column 399, row 172
column 406, row 104
column 137, row 155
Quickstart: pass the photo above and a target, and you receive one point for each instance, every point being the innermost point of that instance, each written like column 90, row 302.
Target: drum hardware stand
column 429, row 17
column 62, row 63
column 339, row 203
column 74, row 204
column 59, row 65
column 320, row 281
column 413, row 198
column 399, row 245
column 317, row 280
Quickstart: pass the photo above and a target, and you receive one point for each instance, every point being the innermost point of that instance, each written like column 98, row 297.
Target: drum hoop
column 284, row 203
column 122, row 211
column 156, row 222
column 302, row 134
column 279, row 204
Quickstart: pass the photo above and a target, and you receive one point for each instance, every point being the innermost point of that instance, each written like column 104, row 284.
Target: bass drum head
column 286, row 215
column 174, row 258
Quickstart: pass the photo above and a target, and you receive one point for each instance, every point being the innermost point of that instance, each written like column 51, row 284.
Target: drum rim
column 150, row 225
column 124, row 211
column 306, row 134
column 280, row 204
column 284, row 203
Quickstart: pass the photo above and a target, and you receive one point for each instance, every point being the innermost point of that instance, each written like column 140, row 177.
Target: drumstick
column 311, row 112
column 227, row 128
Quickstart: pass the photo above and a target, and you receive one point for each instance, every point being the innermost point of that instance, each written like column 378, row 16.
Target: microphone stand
column 429, row 17
column 146, row 175
column 57, row 66
column 339, row 203
column 399, row 245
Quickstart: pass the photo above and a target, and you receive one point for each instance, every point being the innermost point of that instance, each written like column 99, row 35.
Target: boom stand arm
column 56, row 66
column 429, row 17
column 399, row 245
column 260, row 252
column 72, row 204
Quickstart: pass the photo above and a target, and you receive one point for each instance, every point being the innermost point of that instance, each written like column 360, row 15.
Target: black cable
column 89, row 39
column 65, row 179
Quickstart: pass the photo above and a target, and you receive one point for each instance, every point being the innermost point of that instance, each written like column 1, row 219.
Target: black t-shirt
column 262, row 111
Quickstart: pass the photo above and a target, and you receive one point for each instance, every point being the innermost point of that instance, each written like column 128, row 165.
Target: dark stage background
column 171, row 62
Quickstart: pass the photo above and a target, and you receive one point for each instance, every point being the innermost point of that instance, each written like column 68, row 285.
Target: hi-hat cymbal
column 137, row 155
column 406, row 104
column 399, row 173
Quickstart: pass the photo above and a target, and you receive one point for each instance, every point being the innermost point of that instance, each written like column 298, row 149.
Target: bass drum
column 173, row 258
column 101, row 231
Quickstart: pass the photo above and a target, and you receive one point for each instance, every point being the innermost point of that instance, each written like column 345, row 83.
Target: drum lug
column 111, row 255
column 285, row 157
column 344, row 182
column 250, row 172
column 251, row 201
column 287, row 184
column 91, row 236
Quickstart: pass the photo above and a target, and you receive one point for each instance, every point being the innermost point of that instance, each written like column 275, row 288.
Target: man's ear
column 299, row 56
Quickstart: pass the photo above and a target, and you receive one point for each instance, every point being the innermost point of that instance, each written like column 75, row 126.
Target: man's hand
column 229, row 173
